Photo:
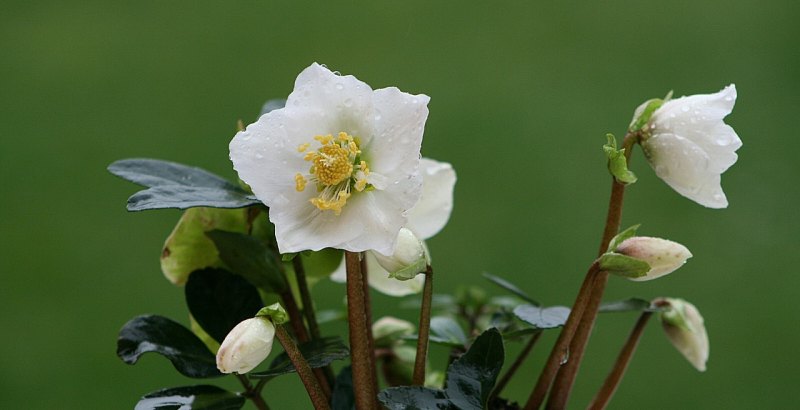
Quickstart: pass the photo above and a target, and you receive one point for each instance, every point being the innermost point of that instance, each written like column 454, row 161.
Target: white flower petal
column 686, row 168
column 399, row 124
column 379, row 279
column 432, row 212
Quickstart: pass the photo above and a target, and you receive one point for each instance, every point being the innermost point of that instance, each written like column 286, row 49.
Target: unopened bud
column 662, row 255
column 685, row 329
column 409, row 258
column 388, row 330
column 246, row 346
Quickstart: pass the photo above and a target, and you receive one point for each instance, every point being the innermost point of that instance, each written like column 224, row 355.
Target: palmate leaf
column 470, row 380
column 446, row 331
column 201, row 397
column 218, row 300
column 318, row 353
column 151, row 333
column 173, row 185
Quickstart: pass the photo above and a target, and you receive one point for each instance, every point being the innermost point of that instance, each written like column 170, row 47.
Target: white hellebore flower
column 685, row 329
column 338, row 166
column 425, row 220
column 662, row 255
column 689, row 146
column 246, row 345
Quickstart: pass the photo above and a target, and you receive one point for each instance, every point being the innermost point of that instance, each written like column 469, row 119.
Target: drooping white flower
column 338, row 166
column 684, row 327
column 689, row 146
column 246, row 345
column 663, row 256
column 425, row 220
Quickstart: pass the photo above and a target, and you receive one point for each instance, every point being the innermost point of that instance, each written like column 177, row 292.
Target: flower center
column 336, row 169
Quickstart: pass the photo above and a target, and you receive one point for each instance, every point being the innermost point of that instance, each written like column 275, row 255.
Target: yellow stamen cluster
column 334, row 170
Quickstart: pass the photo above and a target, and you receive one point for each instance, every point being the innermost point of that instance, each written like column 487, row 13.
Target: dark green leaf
column 510, row 287
column 158, row 334
column 173, row 185
column 248, row 257
column 470, row 380
column 542, row 318
column 629, row 305
column 447, row 331
column 318, row 353
column 218, row 300
column 623, row 265
column 272, row 105
column 343, row 397
column 202, row 397
column 414, row 398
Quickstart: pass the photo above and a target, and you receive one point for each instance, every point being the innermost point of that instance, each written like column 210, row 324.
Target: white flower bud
column 684, row 328
column 409, row 258
column 387, row 330
column 662, row 255
column 246, row 346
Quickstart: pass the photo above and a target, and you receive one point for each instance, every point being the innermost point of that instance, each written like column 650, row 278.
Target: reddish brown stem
column 362, row 358
column 315, row 392
column 418, row 378
column 605, row 393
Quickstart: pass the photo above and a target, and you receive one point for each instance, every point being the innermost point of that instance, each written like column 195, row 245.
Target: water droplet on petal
column 662, row 171
column 348, row 102
column 685, row 108
column 259, row 155
column 339, row 86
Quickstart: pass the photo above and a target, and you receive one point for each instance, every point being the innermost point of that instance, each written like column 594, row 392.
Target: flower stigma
column 336, row 169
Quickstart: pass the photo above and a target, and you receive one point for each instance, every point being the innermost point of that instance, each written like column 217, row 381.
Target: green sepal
column 624, row 266
column 622, row 236
column 274, row 312
column 617, row 162
column 288, row 257
column 647, row 112
column 411, row 271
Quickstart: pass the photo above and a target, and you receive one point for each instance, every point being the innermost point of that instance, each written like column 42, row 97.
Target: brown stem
column 562, row 387
column 368, row 314
column 515, row 366
column 325, row 375
column 295, row 317
column 362, row 358
column 418, row 378
column 560, row 351
column 605, row 393
column 315, row 392
column 252, row 393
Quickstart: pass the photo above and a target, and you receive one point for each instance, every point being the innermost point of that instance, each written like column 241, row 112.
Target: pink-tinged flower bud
column 246, row 346
column 684, row 328
column 662, row 255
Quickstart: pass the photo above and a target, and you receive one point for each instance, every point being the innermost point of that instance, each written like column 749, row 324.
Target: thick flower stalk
column 425, row 220
column 689, row 146
column 246, row 346
column 338, row 167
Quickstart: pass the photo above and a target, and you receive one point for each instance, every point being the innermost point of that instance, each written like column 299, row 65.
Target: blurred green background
column 522, row 96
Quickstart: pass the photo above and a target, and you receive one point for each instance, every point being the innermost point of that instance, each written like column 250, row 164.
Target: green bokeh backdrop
column 522, row 96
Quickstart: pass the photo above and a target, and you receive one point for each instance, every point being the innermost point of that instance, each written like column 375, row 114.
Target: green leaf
column 624, row 266
column 248, row 257
column 542, row 318
column 629, row 305
column 275, row 313
column 202, row 397
column 647, row 112
column 447, row 331
column 617, row 162
column 173, row 185
column 218, row 300
column 510, row 287
column 621, row 237
column 318, row 353
column 188, row 249
column 343, row 397
column 158, row 334
column 470, row 380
